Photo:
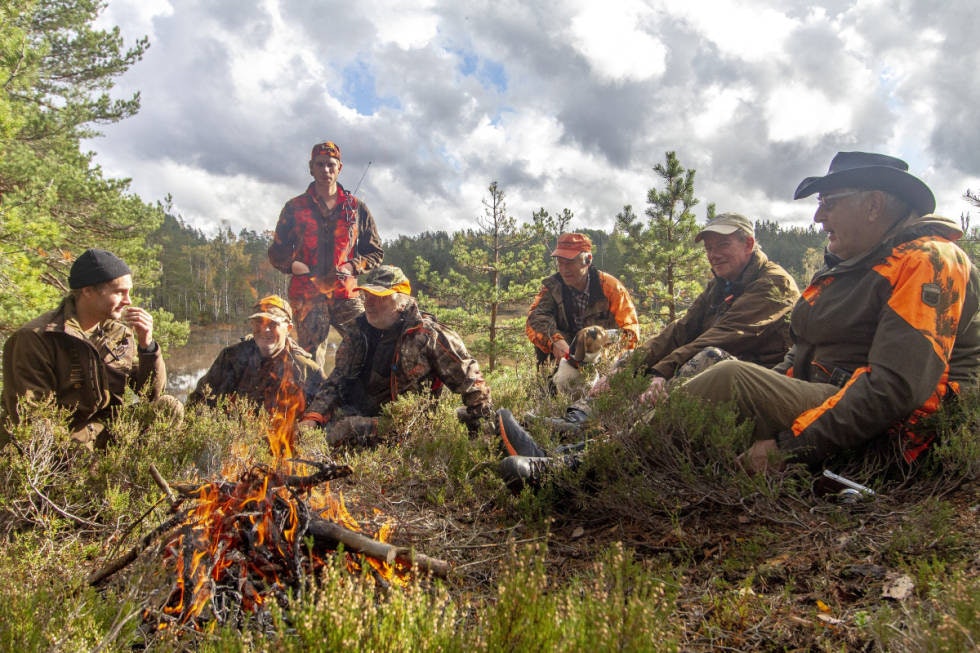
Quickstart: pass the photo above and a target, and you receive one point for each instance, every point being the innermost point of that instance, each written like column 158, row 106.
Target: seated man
column 267, row 367
column 392, row 349
column 885, row 332
column 86, row 352
column 577, row 296
column 742, row 313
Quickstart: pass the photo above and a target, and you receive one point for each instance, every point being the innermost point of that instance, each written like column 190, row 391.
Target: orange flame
column 244, row 534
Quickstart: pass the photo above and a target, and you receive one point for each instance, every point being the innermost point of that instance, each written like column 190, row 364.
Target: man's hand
column 141, row 322
column 559, row 349
column 345, row 270
column 761, row 457
column 306, row 426
column 655, row 392
column 298, row 267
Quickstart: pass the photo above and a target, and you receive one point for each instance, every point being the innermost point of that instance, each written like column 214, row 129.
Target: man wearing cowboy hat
column 576, row 296
column 886, row 330
column 266, row 367
column 324, row 239
column 392, row 349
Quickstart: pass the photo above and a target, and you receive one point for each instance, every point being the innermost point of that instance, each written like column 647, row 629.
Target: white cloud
column 610, row 36
column 796, row 112
column 568, row 103
column 747, row 30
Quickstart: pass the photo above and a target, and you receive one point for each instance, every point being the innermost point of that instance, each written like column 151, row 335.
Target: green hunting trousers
column 771, row 399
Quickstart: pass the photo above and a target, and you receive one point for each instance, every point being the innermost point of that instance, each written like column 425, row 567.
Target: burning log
column 330, row 532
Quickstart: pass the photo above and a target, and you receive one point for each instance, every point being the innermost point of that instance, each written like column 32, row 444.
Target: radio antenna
column 362, row 178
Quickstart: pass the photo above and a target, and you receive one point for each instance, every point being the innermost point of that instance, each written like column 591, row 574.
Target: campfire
column 235, row 544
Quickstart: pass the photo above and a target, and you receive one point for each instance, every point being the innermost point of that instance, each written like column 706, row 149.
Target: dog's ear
column 578, row 344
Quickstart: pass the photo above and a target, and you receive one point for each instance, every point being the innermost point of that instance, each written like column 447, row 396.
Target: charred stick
column 162, row 483
column 322, row 529
column 122, row 561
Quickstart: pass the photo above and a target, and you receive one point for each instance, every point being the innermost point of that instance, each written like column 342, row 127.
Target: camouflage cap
column 327, row 147
column 727, row 223
column 385, row 280
column 272, row 307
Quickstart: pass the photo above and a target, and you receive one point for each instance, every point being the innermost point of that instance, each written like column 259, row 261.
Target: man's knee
column 717, row 383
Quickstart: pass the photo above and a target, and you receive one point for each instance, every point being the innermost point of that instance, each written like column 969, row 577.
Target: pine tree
column 661, row 260
column 499, row 264
column 970, row 242
column 56, row 72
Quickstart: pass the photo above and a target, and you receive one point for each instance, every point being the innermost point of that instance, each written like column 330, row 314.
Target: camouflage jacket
column 748, row 318
column 347, row 234
column 241, row 371
column 88, row 376
column 374, row 367
column 897, row 328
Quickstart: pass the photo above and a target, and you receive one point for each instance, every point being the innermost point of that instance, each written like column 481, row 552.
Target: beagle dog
column 586, row 347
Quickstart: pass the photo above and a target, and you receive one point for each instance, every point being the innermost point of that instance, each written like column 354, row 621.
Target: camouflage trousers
column 314, row 316
column 353, row 430
column 96, row 435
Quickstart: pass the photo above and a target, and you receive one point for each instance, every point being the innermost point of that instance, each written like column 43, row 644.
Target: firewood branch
column 327, row 531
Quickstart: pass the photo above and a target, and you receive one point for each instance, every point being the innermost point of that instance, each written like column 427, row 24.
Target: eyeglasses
column 826, row 202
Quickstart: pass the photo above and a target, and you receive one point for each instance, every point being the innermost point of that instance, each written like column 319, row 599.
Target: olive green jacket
column 50, row 355
column 748, row 318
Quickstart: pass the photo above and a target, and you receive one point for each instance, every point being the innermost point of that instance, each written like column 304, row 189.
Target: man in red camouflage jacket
column 324, row 239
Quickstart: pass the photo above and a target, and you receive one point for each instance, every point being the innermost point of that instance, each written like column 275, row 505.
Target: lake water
column 188, row 363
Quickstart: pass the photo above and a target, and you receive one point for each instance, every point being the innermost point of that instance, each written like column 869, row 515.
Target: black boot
column 518, row 471
column 516, row 441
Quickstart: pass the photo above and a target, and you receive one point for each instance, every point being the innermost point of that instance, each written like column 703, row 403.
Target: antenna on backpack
column 362, row 178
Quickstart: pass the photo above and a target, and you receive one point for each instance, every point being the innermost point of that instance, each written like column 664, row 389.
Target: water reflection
column 188, row 363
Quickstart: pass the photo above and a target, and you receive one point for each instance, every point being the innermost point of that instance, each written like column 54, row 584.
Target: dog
column 586, row 349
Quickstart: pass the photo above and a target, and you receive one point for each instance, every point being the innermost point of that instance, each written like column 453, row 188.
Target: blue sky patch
column 359, row 90
column 490, row 74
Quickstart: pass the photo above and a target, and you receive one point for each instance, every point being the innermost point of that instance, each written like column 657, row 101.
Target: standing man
column 391, row 349
column 324, row 239
column 86, row 352
column 577, row 296
column 887, row 330
column 266, row 367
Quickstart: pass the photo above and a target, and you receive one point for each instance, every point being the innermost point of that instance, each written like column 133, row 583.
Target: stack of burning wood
column 233, row 547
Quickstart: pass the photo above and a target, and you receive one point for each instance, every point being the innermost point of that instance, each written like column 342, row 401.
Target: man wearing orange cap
column 391, row 349
column 324, row 239
column 577, row 296
column 266, row 367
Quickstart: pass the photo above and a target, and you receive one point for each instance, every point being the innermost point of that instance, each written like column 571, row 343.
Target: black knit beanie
column 95, row 266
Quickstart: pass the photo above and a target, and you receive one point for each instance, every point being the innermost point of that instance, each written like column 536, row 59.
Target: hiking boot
column 572, row 421
column 516, row 441
column 518, row 471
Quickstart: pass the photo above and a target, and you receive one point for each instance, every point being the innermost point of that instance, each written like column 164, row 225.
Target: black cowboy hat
column 871, row 171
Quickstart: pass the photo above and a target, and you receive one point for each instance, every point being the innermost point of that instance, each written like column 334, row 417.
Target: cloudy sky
column 565, row 103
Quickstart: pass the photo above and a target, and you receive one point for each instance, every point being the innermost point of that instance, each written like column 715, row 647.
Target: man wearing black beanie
column 86, row 352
